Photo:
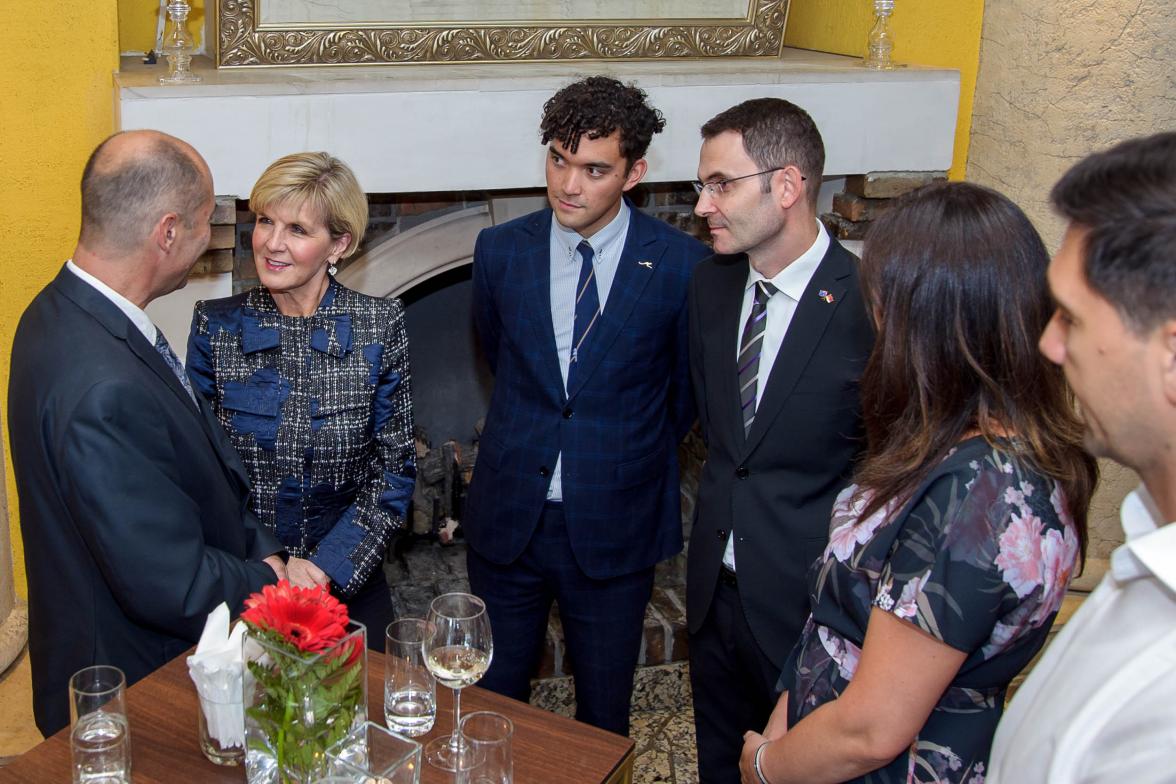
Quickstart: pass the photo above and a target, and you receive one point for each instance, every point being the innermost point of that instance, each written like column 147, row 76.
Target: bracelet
column 758, row 770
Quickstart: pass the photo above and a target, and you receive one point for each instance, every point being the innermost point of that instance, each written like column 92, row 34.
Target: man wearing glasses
column 778, row 339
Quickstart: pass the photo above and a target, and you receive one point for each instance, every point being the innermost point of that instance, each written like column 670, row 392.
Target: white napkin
column 216, row 670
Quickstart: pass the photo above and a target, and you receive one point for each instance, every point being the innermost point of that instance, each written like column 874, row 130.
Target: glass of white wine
column 458, row 654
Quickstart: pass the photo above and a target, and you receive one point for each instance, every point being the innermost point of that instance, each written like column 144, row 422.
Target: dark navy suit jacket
column 619, row 425
column 132, row 500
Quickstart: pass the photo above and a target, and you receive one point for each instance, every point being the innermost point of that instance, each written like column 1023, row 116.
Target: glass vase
column 297, row 705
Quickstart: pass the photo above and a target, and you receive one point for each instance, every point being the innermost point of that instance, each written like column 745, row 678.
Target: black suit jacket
column 775, row 486
column 132, row 501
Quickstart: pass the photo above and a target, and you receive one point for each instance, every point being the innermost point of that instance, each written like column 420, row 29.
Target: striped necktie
column 587, row 305
column 165, row 350
column 750, row 348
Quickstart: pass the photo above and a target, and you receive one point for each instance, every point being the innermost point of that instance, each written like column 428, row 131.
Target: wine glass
column 458, row 654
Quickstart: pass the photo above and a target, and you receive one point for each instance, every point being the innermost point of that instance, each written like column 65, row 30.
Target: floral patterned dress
column 979, row 558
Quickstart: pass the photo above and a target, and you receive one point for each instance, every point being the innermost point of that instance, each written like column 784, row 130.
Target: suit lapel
column 812, row 317
column 119, row 326
column 724, row 338
column 534, row 278
column 638, row 264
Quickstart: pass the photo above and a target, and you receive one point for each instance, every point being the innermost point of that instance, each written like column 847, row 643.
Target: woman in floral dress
column 950, row 554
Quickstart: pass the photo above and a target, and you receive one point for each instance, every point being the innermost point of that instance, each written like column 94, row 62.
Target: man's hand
column 305, row 574
column 276, row 564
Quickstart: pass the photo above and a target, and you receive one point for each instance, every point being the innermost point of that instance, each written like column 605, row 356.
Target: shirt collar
column 1150, row 547
column 794, row 279
column 136, row 314
column 570, row 239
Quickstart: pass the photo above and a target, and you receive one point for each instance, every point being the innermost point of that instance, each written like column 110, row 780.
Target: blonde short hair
column 322, row 182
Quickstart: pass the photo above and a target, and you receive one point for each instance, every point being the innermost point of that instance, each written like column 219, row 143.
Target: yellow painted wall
column 138, row 20
column 56, row 63
column 943, row 33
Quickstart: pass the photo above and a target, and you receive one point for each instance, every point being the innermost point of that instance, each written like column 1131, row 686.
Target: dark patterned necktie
column 173, row 362
column 750, row 348
column 587, row 304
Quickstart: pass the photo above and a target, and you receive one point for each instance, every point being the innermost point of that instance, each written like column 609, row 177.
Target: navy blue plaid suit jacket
column 619, row 425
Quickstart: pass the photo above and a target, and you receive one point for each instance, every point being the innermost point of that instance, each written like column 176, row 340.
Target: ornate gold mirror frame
column 242, row 41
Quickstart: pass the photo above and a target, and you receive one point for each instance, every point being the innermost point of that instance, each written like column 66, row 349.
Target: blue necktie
column 587, row 305
column 173, row 362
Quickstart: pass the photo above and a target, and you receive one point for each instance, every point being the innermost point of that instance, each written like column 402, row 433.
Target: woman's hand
column 778, row 721
column 305, row 574
column 751, row 743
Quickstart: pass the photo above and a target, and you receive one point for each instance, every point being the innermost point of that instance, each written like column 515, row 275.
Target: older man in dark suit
column 581, row 310
column 778, row 339
column 132, row 501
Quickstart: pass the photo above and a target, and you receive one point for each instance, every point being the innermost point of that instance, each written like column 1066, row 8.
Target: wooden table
column 161, row 709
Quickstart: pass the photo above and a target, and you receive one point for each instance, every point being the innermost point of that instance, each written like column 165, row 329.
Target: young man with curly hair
column 581, row 313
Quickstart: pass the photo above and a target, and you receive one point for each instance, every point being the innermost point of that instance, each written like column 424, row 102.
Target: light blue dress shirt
column 608, row 244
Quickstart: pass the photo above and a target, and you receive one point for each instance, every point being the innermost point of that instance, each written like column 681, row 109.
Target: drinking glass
column 410, row 692
column 458, row 653
column 487, row 735
column 99, row 739
column 370, row 754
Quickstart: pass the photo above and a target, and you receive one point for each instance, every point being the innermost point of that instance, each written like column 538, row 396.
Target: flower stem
column 283, row 775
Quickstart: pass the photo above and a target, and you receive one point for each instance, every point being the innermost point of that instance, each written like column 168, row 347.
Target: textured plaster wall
column 1057, row 81
column 944, row 33
column 56, row 63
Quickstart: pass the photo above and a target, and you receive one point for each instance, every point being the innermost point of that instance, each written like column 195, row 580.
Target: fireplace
column 464, row 140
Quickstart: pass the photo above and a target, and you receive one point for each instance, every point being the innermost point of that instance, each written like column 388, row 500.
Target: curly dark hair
column 597, row 106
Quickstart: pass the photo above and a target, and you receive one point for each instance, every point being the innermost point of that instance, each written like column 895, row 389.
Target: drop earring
column 331, row 268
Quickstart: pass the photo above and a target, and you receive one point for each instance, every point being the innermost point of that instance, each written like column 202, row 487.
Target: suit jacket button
column 742, row 472
column 567, row 413
column 722, row 534
column 544, row 471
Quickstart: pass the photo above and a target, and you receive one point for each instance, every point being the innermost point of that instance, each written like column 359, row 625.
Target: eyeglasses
column 719, row 187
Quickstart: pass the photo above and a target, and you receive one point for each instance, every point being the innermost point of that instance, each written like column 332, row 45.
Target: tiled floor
column 17, row 732
column 665, row 753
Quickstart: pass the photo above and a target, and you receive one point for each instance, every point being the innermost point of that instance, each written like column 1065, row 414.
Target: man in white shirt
column 132, row 500
column 778, row 339
column 1100, row 706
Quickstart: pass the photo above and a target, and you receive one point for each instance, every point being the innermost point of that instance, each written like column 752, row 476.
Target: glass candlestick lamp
column 880, row 43
column 177, row 46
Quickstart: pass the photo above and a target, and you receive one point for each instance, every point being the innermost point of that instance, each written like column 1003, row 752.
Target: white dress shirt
column 791, row 283
column 136, row 314
column 1100, row 706
column 607, row 245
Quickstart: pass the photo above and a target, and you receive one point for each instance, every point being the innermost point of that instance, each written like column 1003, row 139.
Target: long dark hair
column 955, row 277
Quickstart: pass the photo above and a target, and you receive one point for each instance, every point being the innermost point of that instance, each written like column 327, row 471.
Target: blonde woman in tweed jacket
column 311, row 381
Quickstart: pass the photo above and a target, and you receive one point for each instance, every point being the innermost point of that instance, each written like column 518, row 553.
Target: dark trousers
column 372, row 606
column 733, row 682
column 602, row 622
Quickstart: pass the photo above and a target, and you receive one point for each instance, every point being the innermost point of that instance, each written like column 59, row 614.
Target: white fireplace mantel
column 416, row 128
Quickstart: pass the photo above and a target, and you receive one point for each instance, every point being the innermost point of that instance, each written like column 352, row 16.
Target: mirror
column 349, row 32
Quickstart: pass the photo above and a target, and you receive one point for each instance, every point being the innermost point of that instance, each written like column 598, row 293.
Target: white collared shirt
column 1100, row 706
column 136, row 314
column 607, row 245
column 791, row 283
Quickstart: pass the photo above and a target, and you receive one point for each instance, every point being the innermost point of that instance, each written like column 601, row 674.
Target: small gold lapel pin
column 825, row 295
column 646, row 264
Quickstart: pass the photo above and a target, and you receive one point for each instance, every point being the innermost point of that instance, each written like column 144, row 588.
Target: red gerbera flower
column 310, row 619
